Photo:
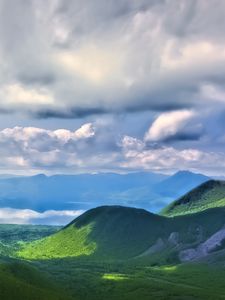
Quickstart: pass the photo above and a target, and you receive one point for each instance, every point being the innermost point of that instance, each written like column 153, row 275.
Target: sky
column 117, row 85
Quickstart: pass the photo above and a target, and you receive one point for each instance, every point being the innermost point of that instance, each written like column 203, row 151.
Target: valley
column 117, row 252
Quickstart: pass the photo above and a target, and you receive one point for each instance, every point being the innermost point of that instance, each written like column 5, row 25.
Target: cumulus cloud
column 95, row 148
column 129, row 143
column 27, row 216
column 169, row 125
column 71, row 59
column 167, row 159
column 27, row 148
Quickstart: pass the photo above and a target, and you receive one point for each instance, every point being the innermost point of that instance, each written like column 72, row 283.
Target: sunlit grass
column 70, row 242
column 167, row 268
column 114, row 276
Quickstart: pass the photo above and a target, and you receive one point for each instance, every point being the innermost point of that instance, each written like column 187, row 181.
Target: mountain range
column 151, row 191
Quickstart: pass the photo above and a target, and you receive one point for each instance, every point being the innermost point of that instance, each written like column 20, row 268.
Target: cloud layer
column 95, row 147
column 74, row 58
column 168, row 125
column 27, row 216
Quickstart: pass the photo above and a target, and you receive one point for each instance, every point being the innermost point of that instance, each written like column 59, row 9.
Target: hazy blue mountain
column 179, row 184
column 84, row 191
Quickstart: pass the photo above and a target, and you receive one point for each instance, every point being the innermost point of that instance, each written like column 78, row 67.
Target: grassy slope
column 208, row 195
column 103, row 232
column 12, row 236
column 21, row 281
column 65, row 243
column 121, row 233
column 127, row 281
column 118, row 232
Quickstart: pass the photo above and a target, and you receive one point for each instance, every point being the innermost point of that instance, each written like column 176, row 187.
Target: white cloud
column 27, row 216
column 26, row 134
column 167, row 159
column 17, row 95
column 85, row 131
column 92, row 63
column 213, row 93
column 94, row 147
column 168, row 124
column 31, row 148
column 129, row 143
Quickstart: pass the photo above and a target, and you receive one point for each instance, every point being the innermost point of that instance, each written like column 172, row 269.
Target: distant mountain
column 6, row 176
column 179, row 183
column 208, row 195
column 114, row 232
column 82, row 191
column 146, row 190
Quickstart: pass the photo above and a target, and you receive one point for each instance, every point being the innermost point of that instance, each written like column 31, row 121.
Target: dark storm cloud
column 69, row 113
column 184, row 136
column 39, row 79
column 122, row 56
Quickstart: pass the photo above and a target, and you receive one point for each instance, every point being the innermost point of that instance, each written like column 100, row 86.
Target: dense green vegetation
column 68, row 242
column 104, row 254
column 208, row 195
column 112, row 231
column 87, row 280
column 92, row 280
column 21, row 281
column 116, row 232
column 12, row 236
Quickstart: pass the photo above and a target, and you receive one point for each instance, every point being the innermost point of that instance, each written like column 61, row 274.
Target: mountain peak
column 182, row 181
column 188, row 173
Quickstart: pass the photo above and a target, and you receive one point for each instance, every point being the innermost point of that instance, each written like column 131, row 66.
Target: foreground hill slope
column 107, row 231
column 123, row 233
column 23, row 282
column 208, row 195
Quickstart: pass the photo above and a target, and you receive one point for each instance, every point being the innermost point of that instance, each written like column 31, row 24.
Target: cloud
column 167, row 159
column 29, row 148
column 169, row 125
column 95, row 147
column 71, row 59
column 129, row 143
column 19, row 95
column 213, row 93
column 27, row 216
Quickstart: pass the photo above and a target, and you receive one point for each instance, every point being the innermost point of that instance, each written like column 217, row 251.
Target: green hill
column 122, row 233
column 210, row 194
column 115, row 252
column 107, row 231
column 21, row 281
